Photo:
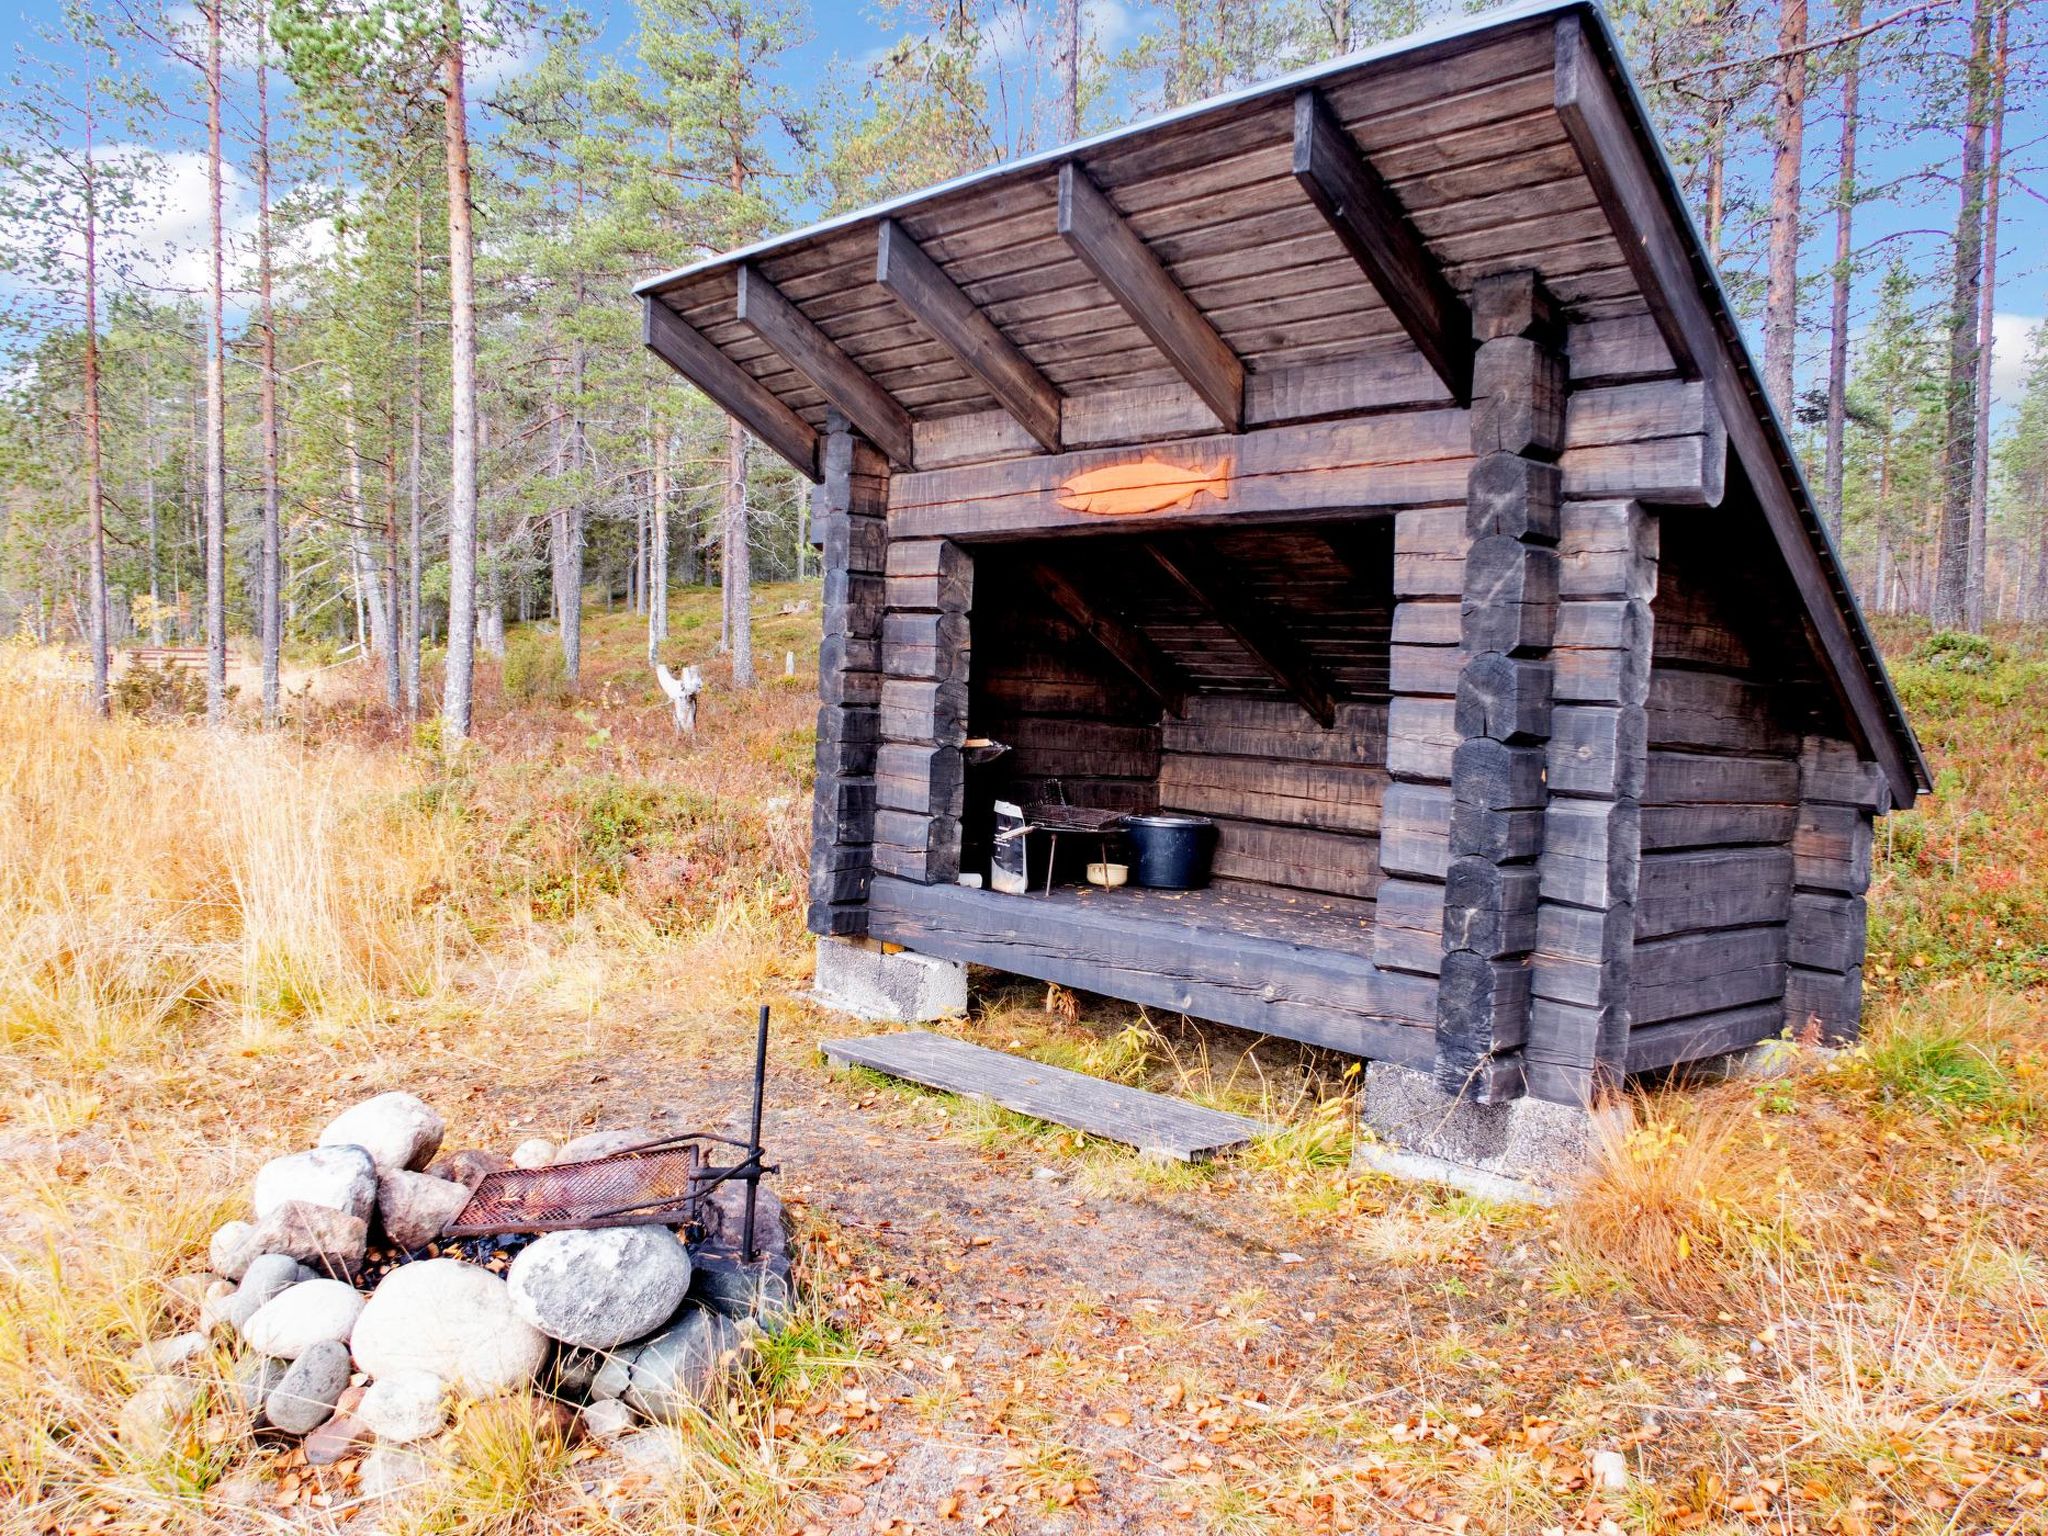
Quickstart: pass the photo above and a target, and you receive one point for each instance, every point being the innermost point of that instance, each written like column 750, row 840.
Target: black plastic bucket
column 1170, row 853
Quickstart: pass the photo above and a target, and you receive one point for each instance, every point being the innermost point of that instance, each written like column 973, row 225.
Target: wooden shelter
column 1368, row 461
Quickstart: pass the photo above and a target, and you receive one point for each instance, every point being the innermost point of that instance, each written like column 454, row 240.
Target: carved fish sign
column 1148, row 485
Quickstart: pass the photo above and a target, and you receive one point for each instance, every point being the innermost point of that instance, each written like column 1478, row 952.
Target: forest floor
column 1814, row 1303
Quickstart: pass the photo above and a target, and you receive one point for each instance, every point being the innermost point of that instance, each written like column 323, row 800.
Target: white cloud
column 2011, row 336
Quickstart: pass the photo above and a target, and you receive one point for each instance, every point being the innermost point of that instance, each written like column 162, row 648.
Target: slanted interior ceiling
column 1467, row 138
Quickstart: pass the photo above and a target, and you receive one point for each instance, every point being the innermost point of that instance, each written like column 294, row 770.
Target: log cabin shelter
column 1369, row 462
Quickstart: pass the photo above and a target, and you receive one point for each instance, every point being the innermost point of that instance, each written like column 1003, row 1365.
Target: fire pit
column 622, row 1279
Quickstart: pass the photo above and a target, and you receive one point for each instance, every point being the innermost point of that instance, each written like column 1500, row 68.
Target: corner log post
column 848, row 523
column 920, row 774
column 1840, row 796
column 1501, row 716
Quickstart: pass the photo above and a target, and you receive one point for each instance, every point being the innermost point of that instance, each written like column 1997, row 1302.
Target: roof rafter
column 935, row 301
column 1197, row 571
column 1365, row 215
column 1154, row 671
column 730, row 387
column 1125, row 265
column 763, row 309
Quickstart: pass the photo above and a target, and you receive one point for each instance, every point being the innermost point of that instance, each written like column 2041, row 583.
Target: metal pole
column 754, row 1137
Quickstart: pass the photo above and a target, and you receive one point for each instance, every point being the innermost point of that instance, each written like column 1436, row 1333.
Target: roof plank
column 1136, row 280
column 1252, row 622
column 1375, row 229
column 730, row 387
column 762, row 308
column 937, row 303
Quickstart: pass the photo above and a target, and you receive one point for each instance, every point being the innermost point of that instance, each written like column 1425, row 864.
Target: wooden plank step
column 1151, row 1122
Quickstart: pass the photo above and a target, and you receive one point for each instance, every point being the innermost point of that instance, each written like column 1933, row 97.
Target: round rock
column 534, row 1152
column 594, row 1144
column 599, row 1289
column 233, row 1246
column 304, row 1396
column 415, row 1207
column 404, row 1406
column 293, row 1321
column 682, row 1364
column 453, row 1320
column 339, row 1178
column 399, row 1131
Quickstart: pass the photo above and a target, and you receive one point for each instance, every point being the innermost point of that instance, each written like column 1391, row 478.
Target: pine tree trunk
column 95, row 488
column 456, row 697
column 414, row 557
column 216, row 400
column 1781, row 293
column 1717, row 177
column 1987, row 304
column 657, row 550
column 737, row 564
column 1066, row 69
column 270, row 584
column 1951, row 586
column 1838, row 313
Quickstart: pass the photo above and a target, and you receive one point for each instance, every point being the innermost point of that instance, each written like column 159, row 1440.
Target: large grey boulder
column 339, row 1178
column 305, row 1395
column 309, row 1313
column 416, row 1207
column 453, row 1320
column 404, row 1406
column 682, row 1364
column 600, row 1288
column 399, row 1131
column 328, row 1239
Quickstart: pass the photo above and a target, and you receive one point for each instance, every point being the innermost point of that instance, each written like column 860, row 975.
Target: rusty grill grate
column 656, row 1183
column 1058, row 816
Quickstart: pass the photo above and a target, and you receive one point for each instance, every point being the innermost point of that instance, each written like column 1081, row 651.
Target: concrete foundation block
column 1526, row 1149
column 861, row 977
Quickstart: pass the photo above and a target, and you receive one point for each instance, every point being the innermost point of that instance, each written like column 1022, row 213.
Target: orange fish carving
column 1149, row 485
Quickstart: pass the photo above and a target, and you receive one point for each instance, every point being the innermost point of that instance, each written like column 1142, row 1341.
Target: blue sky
column 843, row 35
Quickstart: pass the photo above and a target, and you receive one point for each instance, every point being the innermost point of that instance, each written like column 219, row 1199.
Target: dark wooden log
column 1834, row 773
column 1830, row 1002
column 1621, row 350
column 1503, row 836
column 1601, row 652
column 1583, row 955
column 914, row 279
column 1504, row 698
column 1097, row 234
column 857, row 545
column 1510, row 596
column 1321, row 996
column 1255, row 625
column 1429, row 554
column 1591, row 852
column 1724, row 714
column 1371, row 224
column 1415, row 830
column 1668, row 827
column 761, row 307
column 1321, row 470
column 1408, row 926
column 1827, row 932
column 1832, row 847
column 1666, row 472
column 1127, row 646
column 1706, row 973
column 1497, row 776
column 1597, row 750
column 1511, row 496
column 1688, row 778
column 1515, row 303
column 1607, row 549
column 731, row 388
column 1518, row 392
column 1702, row 1038
column 1235, row 725
column 1482, row 1011
column 1487, row 907
column 1422, row 737
column 922, row 779
column 1717, row 888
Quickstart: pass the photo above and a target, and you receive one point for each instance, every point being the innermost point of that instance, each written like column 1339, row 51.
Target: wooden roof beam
column 935, row 301
column 1218, row 592
column 1125, row 266
column 1365, row 215
column 873, row 411
column 1151, row 668
column 730, row 387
